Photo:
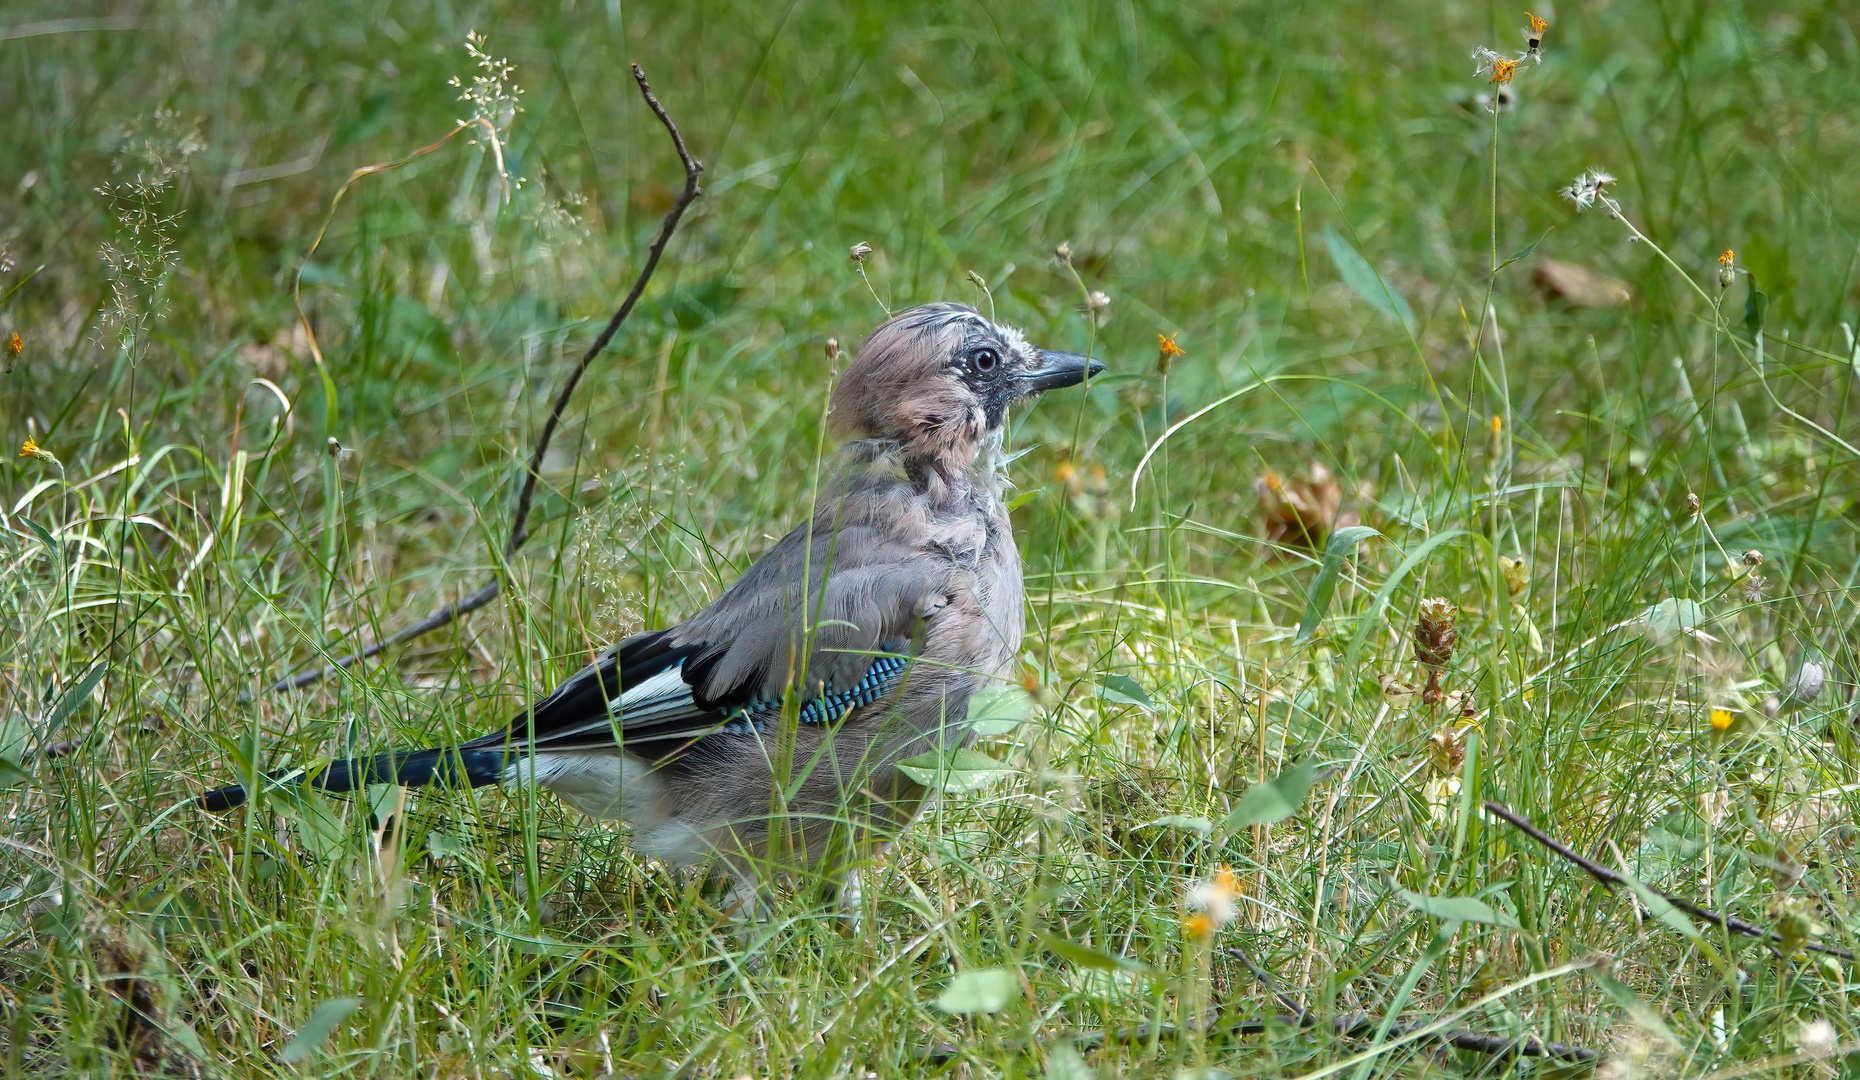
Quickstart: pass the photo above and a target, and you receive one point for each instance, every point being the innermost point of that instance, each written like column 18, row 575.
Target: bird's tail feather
column 410, row 768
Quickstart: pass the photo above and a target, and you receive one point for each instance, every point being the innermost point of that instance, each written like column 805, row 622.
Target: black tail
column 410, row 768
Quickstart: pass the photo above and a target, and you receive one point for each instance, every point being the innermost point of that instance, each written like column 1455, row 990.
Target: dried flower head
column 1211, row 903
column 833, row 350
column 1751, row 588
column 1397, row 693
column 1166, row 352
column 858, row 252
column 1063, row 253
column 1800, row 689
column 1588, row 189
column 1301, row 511
column 1446, row 748
column 1753, row 558
column 1727, row 268
column 1692, row 502
column 1516, row 573
column 31, row 449
column 976, row 280
column 332, row 447
column 1434, row 638
column 1097, row 305
column 1434, row 632
column 1495, row 67
column 1534, row 28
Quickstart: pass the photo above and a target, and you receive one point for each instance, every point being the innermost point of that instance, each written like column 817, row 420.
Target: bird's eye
column 985, row 359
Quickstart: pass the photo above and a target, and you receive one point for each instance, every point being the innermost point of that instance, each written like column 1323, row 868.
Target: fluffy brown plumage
column 852, row 644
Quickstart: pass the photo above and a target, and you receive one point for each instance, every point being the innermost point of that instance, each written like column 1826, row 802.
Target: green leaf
column 11, row 774
column 1643, row 1014
column 1361, row 277
column 955, row 771
column 982, row 990
column 1022, row 499
column 1127, row 691
column 74, row 699
column 319, row 829
column 1458, row 909
column 1673, row 616
column 14, row 734
column 317, row 1028
column 444, row 845
column 1523, row 252
column 1756, row 306
column 1064, row 1062
column 998, row 709
column 1341, row 545
column 1181, row 821
column 1274, row 800
column 1664, row 910
column 46, row 538
column 1074, row 953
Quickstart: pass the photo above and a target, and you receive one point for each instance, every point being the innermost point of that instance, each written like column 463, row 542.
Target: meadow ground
column 1574, row 453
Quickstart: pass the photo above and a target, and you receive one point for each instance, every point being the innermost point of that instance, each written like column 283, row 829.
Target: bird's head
column 938, row 379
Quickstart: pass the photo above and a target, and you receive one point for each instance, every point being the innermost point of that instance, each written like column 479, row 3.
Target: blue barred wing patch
column 880, row 679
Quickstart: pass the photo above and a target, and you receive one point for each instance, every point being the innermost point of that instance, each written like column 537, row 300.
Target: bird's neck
column 941, row 479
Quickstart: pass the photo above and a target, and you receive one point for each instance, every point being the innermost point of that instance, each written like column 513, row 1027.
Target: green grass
column 1207, row 164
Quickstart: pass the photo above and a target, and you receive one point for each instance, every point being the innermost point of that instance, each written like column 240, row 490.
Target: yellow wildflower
column 32, row 449
column 1721, row 720
column 1167, row 351
column 1498, row 423
column 1197, row 925
column 15, row 346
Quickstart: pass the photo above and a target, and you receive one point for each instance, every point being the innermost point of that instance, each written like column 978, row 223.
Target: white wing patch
column 662, row 696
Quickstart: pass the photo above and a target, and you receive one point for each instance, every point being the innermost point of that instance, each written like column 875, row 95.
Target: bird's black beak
column 1057, row 371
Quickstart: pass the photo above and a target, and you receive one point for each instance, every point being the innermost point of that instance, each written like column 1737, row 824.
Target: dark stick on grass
column 1362, row 1025
column 519, row 526
column 1609, row 877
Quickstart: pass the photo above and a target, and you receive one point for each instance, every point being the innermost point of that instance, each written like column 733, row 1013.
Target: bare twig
column 1358, row 1025
column 1609, row 877
column 519, row 526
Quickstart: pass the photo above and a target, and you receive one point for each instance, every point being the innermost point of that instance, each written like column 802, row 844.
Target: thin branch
column 519, row 526
column 1358, row 1025
column 1609, row 877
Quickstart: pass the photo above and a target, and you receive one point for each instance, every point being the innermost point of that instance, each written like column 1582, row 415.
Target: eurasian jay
column 856, row 642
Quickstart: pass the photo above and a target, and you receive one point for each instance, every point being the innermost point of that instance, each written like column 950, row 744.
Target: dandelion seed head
column 1816, row 1039
column 1588, row 189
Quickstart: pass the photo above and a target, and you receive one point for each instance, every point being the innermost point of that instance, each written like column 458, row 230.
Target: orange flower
column 1498, row 423
column 1721, row 720
column 1197, row 926
column 1538, row 26
column 1167, row 351
column 1724, row 259
column 1504, row 69
column 15, row 346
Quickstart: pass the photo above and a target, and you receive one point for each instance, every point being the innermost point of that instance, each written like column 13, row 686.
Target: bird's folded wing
column 729, row 668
